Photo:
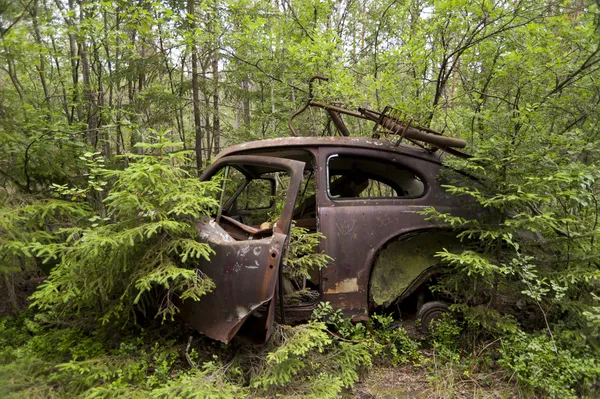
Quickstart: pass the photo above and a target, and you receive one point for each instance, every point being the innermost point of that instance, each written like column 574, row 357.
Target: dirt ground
column 421, row 383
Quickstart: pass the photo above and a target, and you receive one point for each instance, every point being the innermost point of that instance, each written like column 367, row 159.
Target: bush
column 147, row 240
column 315, row 360
column 564, row 369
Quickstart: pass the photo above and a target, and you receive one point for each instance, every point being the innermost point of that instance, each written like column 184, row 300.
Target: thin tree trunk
column 131, row 93
column 12, row 72
column 195, row 90
column 180, row 93
column 246, row 102
column 65, row 102
column 207, row 104
column 216, row 117
column 119, row 101
column 92, row 107
column 170, row 69
column 38, row 39
column 102, row 134
column 74, row 60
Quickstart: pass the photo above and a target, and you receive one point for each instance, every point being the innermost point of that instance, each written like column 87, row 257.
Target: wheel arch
column 407, row 261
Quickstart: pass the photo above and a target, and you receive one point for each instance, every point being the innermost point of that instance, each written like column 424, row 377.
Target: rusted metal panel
column 245, row 272
column 357, row 229
column 356, row 143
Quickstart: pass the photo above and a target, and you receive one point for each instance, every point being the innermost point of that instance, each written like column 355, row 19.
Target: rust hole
column 270, row 266
column 273, row 255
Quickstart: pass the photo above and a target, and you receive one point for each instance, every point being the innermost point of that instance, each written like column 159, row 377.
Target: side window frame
column 374, row 159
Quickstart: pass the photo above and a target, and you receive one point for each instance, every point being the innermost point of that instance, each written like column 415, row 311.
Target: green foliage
column 321, row 358
column 343, row 325
column 397, row 345
column 146, row 241
column 26, row 223
column 208, row 383
column 445, row 334
column 301, row 256
column 290, row 358
column 529, row 265
column 564, row 369
column 308, row 360
column 311, row 354
column 83, row 82
column 68, row 362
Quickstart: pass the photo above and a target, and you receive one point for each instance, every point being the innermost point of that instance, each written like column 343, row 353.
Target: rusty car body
column 365, row 195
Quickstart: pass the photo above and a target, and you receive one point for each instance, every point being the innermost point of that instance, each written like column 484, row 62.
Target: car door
column 244, row 267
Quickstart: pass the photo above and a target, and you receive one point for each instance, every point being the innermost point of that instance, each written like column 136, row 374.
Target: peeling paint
column 243, row 251
column 255, row 266
column 347, row 285
column 241, row 312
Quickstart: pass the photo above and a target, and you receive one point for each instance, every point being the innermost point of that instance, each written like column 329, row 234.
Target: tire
column 430, row 312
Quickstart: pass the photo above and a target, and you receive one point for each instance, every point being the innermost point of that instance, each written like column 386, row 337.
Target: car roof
column 347, row 142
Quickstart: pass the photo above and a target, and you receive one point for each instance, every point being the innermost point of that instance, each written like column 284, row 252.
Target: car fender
column 406, row 261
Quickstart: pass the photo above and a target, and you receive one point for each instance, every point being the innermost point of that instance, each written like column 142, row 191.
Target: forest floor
column 433, row 380
column 384, row 382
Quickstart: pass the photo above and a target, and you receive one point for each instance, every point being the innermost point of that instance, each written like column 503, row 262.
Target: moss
column 402, row 261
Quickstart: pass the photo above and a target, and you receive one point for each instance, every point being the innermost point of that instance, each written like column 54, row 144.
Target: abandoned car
column 364, row 195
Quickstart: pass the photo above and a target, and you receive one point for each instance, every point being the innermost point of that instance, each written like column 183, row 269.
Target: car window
column 256, row 195
column 233, row 180
column 358, row 177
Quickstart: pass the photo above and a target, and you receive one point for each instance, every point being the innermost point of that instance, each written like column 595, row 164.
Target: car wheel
column 430, row 312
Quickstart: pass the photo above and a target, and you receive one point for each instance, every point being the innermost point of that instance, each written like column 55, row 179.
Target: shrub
column 564, row 369
column 147, row 240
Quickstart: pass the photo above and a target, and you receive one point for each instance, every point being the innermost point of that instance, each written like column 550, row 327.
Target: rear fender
column 407, row 262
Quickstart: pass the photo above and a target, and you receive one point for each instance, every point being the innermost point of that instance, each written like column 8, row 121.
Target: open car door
column 247, row 260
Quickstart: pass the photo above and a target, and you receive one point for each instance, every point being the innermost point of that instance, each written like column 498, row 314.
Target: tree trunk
column 195, row 90
column 73, row 58
column 246, row 102
column 92, row 107
column 216, row 125
column 38, row 39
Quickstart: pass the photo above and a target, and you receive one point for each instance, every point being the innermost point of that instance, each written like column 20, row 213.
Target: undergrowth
column 523, row 315
column 319, row 359
column 535, row 364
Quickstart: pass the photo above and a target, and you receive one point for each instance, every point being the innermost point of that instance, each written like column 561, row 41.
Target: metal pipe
column 339, row 110
column 339, row 123
column 415, row 134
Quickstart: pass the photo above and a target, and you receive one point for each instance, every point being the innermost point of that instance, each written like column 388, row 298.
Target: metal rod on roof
column 395, row 127
column 308, row 103
column 338, row 122
column 339, row 110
